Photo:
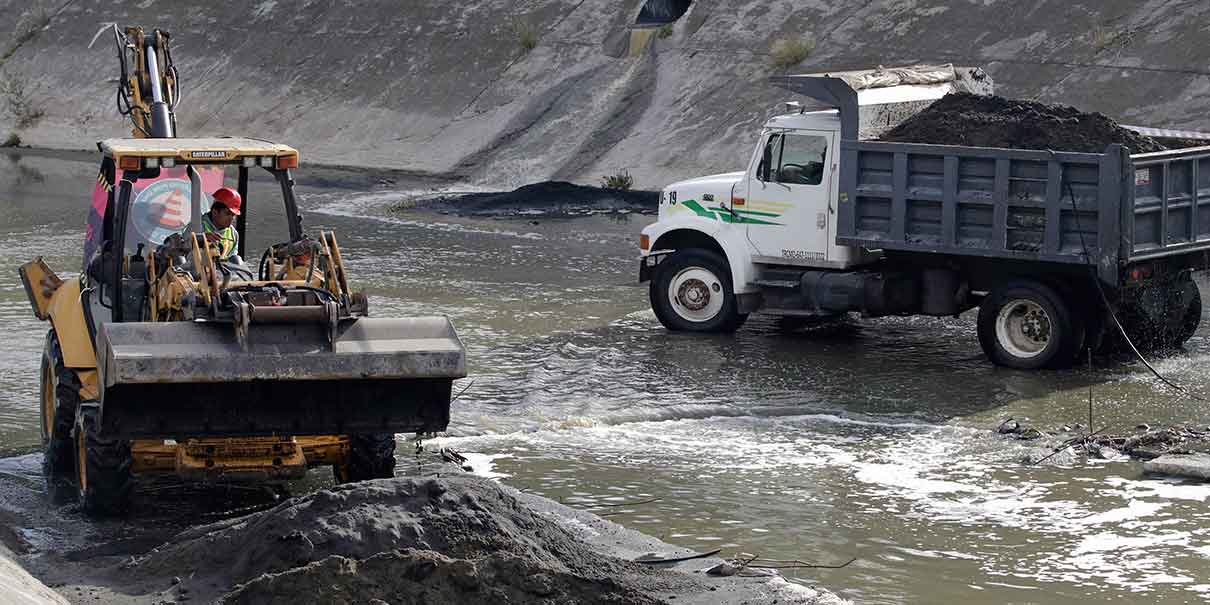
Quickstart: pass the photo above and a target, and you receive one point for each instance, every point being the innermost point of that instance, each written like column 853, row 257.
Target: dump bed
column 1110, row 209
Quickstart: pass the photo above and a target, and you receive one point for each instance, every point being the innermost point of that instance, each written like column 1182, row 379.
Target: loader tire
column 371, row 456
column 103, row 467
column 59, row 397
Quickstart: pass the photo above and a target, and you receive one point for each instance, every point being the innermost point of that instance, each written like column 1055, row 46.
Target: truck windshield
column 800, row 160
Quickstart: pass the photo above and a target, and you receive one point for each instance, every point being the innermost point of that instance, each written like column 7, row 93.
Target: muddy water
column 868, row 440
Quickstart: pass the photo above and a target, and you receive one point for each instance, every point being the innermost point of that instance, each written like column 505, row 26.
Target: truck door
column 787, row 210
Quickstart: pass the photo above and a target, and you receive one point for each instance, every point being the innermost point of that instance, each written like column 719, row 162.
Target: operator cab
column 148, row 203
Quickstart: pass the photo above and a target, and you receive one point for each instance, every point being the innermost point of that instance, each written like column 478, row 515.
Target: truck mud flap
column 188, row 379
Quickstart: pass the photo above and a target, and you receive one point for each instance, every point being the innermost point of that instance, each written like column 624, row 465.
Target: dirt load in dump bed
column 990, row 121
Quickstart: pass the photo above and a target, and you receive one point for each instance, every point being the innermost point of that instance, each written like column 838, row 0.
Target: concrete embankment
column 19, row 588
column 506, row 93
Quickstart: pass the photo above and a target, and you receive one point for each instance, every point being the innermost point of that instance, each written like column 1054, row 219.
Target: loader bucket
column 192, row 379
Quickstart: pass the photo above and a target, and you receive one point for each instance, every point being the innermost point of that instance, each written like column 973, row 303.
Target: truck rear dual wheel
column 1182, row 314
column 1169, row 317
column 1191, row 317
column 60, row 395
column 371, row 456
column 1027, row 325
column 692, row 292
column 103, row 467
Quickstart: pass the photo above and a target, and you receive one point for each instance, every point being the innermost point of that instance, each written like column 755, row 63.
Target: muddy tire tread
column 108, row 468
column 371, row 456
column 58, row 453
column 1192, row 317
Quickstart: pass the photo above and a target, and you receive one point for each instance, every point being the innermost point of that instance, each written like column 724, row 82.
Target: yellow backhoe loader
column 165, row 356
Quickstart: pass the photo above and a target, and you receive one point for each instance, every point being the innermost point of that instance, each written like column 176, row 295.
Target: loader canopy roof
column 157, row 199
column 200, row 150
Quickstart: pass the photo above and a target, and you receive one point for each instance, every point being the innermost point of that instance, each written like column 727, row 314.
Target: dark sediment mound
column 451, row 540
column 549, row 198
column 423, row 576
column 991, row 121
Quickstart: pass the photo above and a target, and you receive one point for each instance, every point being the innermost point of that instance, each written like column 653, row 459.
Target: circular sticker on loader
column 161, row 209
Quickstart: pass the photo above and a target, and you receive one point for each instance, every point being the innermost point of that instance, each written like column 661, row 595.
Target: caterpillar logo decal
column 208, row 155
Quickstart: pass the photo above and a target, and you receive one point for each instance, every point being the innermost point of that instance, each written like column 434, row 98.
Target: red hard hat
column 229, row 198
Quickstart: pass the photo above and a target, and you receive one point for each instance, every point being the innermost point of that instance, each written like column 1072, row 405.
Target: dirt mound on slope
column 991, row 121
column 548, row 198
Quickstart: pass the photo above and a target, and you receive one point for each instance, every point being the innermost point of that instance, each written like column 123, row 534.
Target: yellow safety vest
column 228, row 243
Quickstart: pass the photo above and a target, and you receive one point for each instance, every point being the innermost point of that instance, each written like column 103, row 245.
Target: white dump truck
column 825, row 222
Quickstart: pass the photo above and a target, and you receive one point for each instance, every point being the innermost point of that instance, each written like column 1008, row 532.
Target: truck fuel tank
column 871, row 293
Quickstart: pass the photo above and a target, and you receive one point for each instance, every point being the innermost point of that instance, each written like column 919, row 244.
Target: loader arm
column 148, row 88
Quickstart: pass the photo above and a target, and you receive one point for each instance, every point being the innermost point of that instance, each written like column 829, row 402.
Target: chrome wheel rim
column 1023, row 328
column 696, row 294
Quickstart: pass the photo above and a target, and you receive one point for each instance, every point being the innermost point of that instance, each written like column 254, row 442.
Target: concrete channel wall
column 450, row 88
column 17, row 587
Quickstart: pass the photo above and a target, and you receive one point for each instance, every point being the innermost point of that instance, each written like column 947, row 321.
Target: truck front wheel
column 1028, row 325
column 692, row 292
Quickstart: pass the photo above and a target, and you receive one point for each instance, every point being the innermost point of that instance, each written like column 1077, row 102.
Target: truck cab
column 781, row 212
